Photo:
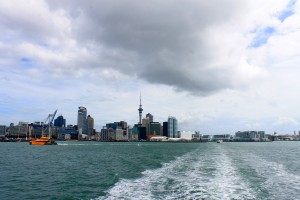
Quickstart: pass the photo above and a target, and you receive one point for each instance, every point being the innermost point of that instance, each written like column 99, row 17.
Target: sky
column 217, row 66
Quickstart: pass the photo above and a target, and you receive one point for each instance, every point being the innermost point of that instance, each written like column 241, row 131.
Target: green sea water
column 94, row 170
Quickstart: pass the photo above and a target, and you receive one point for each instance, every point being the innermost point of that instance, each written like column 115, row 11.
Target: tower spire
column 140, row 111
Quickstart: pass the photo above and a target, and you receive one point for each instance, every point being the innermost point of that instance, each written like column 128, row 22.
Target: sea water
column 94, row 170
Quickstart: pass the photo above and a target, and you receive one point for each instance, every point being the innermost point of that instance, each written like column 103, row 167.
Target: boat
column 45, row 139
column 219, row 141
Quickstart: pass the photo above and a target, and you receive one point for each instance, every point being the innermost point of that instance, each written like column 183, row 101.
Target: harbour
column 150, row 170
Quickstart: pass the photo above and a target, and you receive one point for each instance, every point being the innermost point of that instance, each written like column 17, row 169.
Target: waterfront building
column 159, row 139
column 135, row 132
column 187, row 134
column 104, row 136
column 165, row 129
column 154, row 128
column 261, row 134
column 206, row 138
column 142, row 133
column 68, row 133
column 60, row 121
column 82, row 120
column 90, row 122
column 2, row 130
column 223, row 137
column 121, row 134
column 172, row 127
column 146, row 123
column 18, row 131
column 129, row 132
column 35, row 130
column 111, row 134
column 116, row 131
column 178, row 134
column 113, row 125
column 196, row 135
column 123, row 125
column 247, row 136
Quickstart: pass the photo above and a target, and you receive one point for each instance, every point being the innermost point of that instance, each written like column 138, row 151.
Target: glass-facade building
column 154, row 128
column 165, row 129
column 60, row 121
column 172, row 127
column 82, row 120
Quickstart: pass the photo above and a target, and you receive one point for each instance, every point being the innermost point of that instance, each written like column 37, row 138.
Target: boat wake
column 280, row 182
column 78, row 144
column 195, row 175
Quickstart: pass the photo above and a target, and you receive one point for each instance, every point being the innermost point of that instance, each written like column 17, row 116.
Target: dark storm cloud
column 159, row 41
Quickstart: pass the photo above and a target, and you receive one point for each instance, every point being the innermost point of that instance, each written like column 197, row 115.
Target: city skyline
column 217, row 66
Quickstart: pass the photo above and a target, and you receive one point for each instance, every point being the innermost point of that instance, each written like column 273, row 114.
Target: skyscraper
column 154, row 128
column 140, row 111
column 172, row 127
column 90, row 122
column 82, row 120
column 60, row 121
column 165, row 129
column 150, row 117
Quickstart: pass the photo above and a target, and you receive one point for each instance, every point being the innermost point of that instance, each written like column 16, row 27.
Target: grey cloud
column 158, row 41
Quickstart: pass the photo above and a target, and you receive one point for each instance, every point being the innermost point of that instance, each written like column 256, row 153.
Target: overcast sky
column 217, row 66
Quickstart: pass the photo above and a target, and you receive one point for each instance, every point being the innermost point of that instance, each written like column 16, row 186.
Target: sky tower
column 140, row 111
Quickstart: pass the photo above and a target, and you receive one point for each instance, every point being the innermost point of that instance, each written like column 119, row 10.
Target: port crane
column 49, row 120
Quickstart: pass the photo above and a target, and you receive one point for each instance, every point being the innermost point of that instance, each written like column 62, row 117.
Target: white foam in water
column 78, row 144
column 192, row 176
column 63, row 144
column 227, row 184
column 280, row 183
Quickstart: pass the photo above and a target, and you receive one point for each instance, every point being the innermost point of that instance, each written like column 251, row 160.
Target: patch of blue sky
column 288, row 11
column 262, row 36
column 5, row 111
column 26, row 62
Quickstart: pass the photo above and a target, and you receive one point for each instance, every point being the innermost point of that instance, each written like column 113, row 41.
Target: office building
column 68, row 133
column 90, row 122
column 2, row 130
column 150, row 117
column 165, row 129
column 172, row 127
column 60, row 121
column 82, row 121
column 18, row 131
column 154, row 128
column 116, row 131
column 142, row 133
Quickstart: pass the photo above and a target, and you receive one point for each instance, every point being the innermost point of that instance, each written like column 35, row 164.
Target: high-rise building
column 82, row 120
column 2, row 130
column 142, row 133
column 146, row 123
column 117, row 131
column 154, row 128
column 123, row 124
column 165, row 129
column 90, row 122
column 60, row 121
column 140, row 111
column 172, row 127
column 150, row 117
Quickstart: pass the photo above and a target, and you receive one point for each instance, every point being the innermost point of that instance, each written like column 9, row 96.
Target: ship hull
column 43, row 141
